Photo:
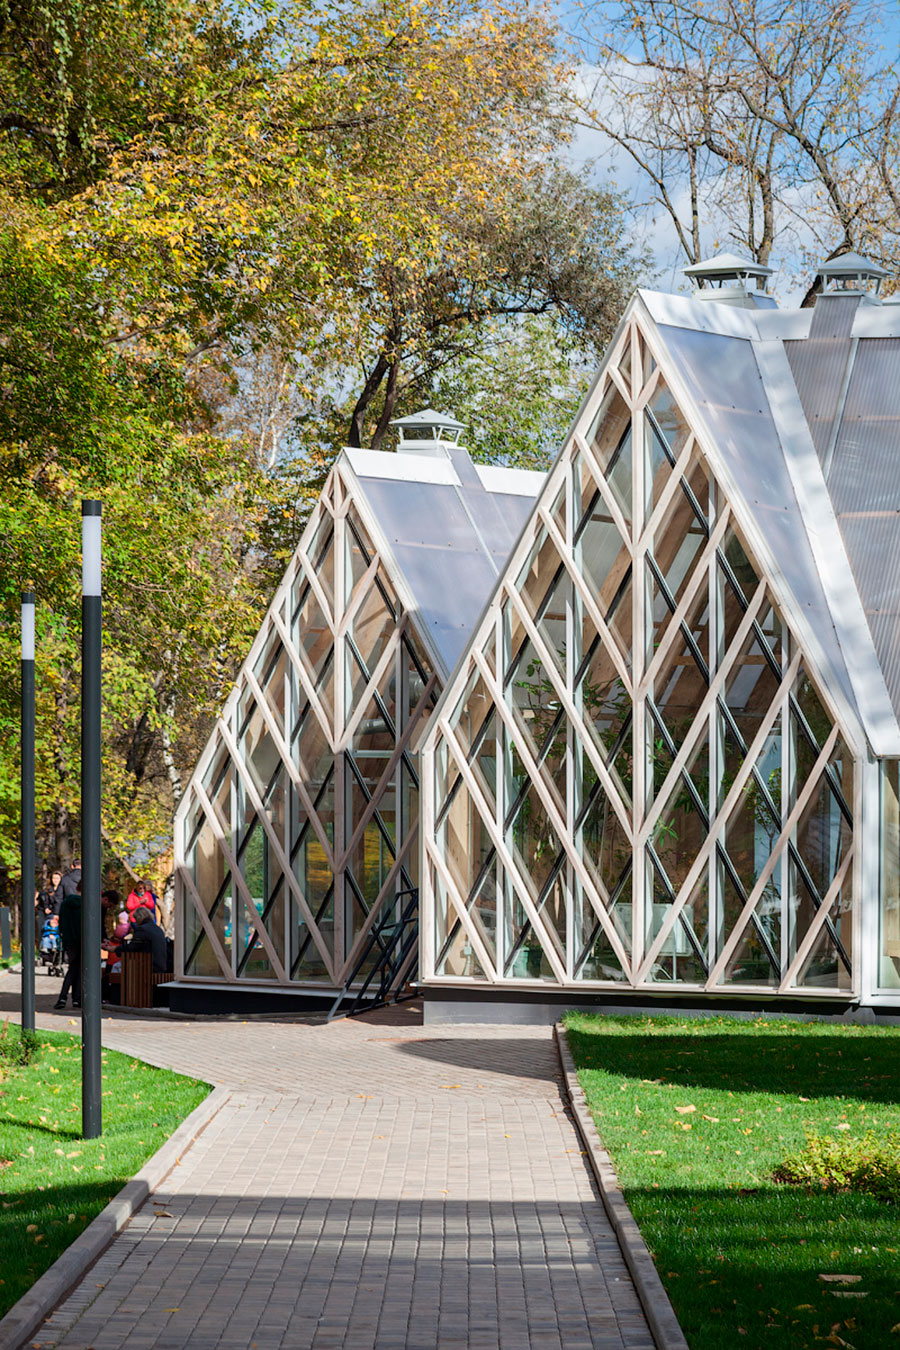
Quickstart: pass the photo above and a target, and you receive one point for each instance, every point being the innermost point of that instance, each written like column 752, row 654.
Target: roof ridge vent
column 852, row 274
column 729, row 279
column 428, row 432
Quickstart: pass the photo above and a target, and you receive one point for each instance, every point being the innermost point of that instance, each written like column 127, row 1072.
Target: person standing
column 69, row 883
column 142, row 895
column 45, row 902
column 70, row 935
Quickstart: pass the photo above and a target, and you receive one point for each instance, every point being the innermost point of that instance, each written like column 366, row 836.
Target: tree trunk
column 369, row 390
column 387, row 412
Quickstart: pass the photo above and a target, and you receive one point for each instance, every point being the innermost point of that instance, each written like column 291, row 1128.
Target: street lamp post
column 28, row 810
column 91, row 920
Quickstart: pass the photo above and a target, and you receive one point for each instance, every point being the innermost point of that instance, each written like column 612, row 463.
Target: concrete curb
column 24, row 1317
column 654, row 1300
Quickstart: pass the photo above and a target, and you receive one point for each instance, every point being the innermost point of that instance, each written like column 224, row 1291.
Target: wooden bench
column 139, row 979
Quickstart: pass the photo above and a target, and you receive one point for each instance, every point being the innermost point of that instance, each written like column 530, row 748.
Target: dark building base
column 223, row 1000
column 446, row 1006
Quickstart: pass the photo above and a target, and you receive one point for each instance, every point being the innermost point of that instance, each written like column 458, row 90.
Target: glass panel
column 605, row 704
column 823, row 837
column 527, row 959
column 889, row 967
column 311, row 634
column 370, row 628
column 595, row 958
column 648, row 365
column 815, row 716
column 320, row 552
column 359, row 551
column 751, row 962
column 602, row 556
column 682, row 827
column 683, row 954
column 750, row 688
column 536, row 577
column 610, row 428
column 534, row 701
column 535, row 845
column 601, row 839
column 742, row 569
column 696, row 619
column 316, row 882
column 270, row 670
column 619, row 475
column 311, row 751
column 750, row 835
column 625, row 362
column 677, row 544
column 679, row 688
column 824, row 968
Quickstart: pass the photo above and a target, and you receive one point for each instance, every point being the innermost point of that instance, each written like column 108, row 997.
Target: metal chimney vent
column 731, row 280
column 428, row 433
column 852, row 274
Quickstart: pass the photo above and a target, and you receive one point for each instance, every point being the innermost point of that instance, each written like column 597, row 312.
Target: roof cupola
column 428, row 433
column 729, row 279
column 852, row 274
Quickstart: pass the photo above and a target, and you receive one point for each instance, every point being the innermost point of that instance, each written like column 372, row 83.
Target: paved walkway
column 370, row 1185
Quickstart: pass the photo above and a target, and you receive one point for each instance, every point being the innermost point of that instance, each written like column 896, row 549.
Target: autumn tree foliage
column 207, row 202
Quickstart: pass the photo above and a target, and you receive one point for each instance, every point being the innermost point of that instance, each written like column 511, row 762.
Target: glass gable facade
column 299, row 830
column 638, row 776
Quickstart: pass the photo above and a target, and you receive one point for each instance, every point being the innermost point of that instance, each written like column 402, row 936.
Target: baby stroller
column 50, row 950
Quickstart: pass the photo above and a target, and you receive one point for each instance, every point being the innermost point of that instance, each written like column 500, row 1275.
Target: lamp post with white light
column 91, row 914
column 28, row 810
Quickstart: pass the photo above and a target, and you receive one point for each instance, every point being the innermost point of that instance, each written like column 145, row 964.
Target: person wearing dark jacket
column 146, row 936
column 71, row 882
column 70, row 936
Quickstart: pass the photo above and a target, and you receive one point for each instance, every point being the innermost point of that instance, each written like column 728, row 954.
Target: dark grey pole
column 28, row 810
column 91, row 921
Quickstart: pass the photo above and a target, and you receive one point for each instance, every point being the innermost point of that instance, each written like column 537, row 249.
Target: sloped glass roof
column 449, row 525
column 831, row 520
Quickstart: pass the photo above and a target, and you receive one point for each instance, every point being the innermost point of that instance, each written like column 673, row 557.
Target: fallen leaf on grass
column 714, row 1119
column 685, row 1110
column 840, row 1279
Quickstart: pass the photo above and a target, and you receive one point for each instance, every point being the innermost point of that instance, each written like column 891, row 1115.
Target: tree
column 185, row 184
column 763, row 118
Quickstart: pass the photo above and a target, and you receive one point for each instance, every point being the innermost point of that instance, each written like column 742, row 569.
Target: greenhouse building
column 666, row 770
column 297, row 841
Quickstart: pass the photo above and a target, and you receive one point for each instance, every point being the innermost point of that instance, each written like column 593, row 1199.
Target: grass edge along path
column 696, row 1114
column 53, row 1182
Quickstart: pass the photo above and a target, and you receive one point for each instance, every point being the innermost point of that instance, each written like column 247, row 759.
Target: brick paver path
column 371, row 1185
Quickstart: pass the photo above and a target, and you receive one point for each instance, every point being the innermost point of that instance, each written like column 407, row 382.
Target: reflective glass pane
column 889, row 947
column 683, row 956
column 595, row 957
column 610, row 428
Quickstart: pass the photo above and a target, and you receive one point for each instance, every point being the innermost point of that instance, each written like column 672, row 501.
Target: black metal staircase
column 395, row 942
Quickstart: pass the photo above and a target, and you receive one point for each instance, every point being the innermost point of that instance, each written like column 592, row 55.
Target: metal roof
column 803, row 415
column 447, row 526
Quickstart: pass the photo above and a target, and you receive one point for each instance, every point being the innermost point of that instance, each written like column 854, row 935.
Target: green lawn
column 52, row 1182
column 740, row 1255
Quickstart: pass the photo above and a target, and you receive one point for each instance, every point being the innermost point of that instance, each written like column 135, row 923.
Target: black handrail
column 396, row 940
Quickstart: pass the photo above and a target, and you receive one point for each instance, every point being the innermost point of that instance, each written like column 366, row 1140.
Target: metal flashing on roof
column 516, row 482
column 446, row 532
column 402, row 468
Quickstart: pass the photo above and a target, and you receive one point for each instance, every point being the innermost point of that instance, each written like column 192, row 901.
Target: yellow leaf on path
column 451, row 1086
column 685, row 1110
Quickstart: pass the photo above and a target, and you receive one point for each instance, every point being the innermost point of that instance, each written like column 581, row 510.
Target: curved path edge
column 651, row 1292
column 24, row 1317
